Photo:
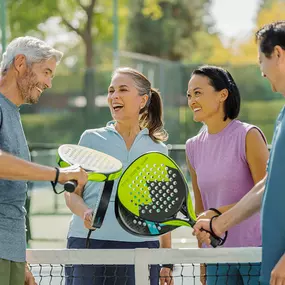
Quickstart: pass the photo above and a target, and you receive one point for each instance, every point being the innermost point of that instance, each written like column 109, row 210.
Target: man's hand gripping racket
column 204, row 227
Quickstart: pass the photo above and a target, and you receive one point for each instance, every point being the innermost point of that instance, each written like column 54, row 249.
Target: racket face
column 89, row 159
column 153, row 187
column 138, row 226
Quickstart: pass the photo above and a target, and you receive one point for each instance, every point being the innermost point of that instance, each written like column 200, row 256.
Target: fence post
column 141, row 266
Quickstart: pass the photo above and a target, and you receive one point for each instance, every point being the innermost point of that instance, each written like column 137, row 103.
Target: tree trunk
column 89, row 84
column 89, row 78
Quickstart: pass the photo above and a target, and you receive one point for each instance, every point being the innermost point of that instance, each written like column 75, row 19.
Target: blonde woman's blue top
column 109, row 141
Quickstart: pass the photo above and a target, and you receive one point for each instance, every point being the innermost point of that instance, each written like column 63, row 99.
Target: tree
column 246, row 52
column 162, row 29
column 273, row 11
column 88, row 20
column 208, row 50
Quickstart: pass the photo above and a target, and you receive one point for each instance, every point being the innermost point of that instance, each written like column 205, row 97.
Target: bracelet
column 215, row 210
column 170, row 266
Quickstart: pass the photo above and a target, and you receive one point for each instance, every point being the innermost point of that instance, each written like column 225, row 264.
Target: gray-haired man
column 27, row 69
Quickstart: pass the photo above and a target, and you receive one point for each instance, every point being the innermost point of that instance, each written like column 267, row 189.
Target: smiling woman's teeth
column 117, row 107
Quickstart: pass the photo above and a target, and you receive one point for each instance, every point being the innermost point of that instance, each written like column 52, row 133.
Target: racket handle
column 70, row 186
column 214, row 241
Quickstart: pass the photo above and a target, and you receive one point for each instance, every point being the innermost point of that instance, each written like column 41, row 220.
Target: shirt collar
column 11, row 104
column 111, row 127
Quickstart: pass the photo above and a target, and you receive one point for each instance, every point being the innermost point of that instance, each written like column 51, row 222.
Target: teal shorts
column 12, row 273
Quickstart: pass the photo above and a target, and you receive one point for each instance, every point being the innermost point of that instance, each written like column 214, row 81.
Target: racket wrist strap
column 54, row 183
column 170, row 266
column 56, row 175
column 222, row 240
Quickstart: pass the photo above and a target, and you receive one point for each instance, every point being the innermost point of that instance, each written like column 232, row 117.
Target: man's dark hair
column 271, row 35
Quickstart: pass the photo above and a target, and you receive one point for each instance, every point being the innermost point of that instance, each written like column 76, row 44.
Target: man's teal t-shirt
column 12, row 192
column 273, row 207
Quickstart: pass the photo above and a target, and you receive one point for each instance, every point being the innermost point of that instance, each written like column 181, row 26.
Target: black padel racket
column 153, row 188
column 100, row 166
column 138, row 226
column 100, row 208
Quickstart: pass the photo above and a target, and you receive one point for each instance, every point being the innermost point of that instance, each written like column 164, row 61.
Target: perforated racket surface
column 138, row 226
column 100, row 166
column 154, row 189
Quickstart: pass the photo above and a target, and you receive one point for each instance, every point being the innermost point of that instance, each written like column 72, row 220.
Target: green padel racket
column 100, row 166
column 153, row 188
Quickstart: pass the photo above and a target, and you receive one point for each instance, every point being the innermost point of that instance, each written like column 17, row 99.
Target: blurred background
column 165, row 40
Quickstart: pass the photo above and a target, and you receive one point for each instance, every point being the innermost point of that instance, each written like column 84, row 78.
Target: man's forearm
column 14, row 168
column 245, row 208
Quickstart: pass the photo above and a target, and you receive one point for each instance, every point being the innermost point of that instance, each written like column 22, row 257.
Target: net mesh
column 142, row 266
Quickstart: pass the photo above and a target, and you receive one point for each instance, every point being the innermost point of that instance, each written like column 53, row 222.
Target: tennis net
column 117, row 267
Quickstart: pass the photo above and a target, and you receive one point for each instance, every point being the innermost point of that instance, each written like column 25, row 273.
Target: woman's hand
column 87, row 218
column 29, row 278
column 203, row 274
column 166, row 276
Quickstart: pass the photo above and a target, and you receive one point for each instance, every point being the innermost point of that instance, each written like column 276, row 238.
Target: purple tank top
column 224, row 177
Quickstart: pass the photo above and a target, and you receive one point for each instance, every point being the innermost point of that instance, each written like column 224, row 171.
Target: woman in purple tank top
column 225, row 160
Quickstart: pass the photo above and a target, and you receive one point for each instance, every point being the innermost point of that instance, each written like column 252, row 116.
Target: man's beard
column 26, row 85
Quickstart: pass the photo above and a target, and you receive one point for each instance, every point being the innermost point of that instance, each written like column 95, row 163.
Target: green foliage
column 265, row 4
column 169, row 29
column 61, row 128
column 51, row 128
column 67, row 127
column 163, row 36
column 260, row 113
column 24, row 17
column 67, row 17
column 251, row 84
column 74, row 82
column 263, row 114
